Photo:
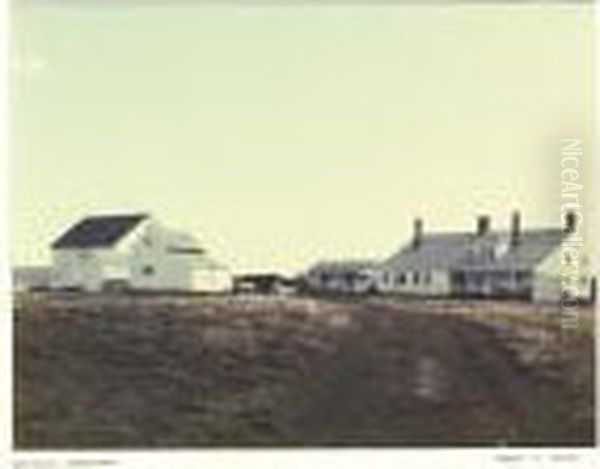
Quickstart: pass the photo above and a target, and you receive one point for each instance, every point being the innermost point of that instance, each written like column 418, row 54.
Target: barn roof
column 467, row 251
column 98, row 231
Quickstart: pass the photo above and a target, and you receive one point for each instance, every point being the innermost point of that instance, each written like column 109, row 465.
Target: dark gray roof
column 467, row 251
column 98, row 231
column 343, row 265
column 534, row 247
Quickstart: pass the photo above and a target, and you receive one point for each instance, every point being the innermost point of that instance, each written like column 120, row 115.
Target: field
column 109, row 371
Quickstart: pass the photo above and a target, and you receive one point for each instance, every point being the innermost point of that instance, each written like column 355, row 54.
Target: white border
column 326, row 458
column 5, row 301
column 233, row 459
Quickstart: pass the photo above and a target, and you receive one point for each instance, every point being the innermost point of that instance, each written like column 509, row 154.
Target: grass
column 110, row 371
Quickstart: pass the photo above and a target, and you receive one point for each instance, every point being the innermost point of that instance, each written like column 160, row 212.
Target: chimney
column 417, row 232
column 515, row 228
column 570, row 222
column 483, row 225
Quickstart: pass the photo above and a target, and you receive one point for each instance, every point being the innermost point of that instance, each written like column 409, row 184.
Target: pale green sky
column 282, row 135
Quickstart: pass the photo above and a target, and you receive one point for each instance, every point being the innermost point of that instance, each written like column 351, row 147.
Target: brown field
column 144, row 372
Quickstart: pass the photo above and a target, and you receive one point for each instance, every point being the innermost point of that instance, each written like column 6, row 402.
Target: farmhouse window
column 523, row 276
column 416, row 278
column 148, row 270
column 401, row 278
column 568, row 258
column 427, row 278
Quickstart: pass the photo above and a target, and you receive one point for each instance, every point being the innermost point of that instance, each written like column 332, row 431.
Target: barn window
column 188, row 251
column 148, row 270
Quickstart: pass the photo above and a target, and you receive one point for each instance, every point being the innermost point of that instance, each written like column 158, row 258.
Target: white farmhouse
column 133, row 252
column 515, row 263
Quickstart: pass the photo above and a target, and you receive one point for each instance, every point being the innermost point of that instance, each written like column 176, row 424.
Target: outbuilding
column 342, row 276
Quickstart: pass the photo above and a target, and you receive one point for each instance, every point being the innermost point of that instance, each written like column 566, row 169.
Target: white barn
column 485, row 263
column 133, row 252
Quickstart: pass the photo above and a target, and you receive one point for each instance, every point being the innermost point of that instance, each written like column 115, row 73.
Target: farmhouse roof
column 98, row 231
column 467, row 251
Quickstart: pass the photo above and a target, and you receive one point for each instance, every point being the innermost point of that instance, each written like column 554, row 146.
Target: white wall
column 548, row 281
column 150, row 265
column 153, row 247
column 430, row 282
column 212, row 280
column 77, row 268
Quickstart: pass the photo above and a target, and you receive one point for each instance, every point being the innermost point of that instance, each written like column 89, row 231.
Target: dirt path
column 409, row 379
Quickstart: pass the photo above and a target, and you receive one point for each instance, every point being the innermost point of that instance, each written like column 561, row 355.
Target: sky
column 284, row 135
